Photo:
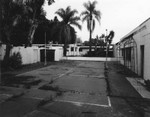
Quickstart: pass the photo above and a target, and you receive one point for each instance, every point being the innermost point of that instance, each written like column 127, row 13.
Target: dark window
column 72, row 48
column 80, row 49
column 128, row 54
column 123, row 53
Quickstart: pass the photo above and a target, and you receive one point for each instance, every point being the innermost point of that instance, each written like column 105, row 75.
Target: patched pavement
column 73, row 89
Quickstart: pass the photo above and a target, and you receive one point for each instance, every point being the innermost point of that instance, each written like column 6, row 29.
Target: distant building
column 133, row 50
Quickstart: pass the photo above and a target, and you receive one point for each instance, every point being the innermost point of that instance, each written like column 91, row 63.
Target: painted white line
column 31, row 113
column 83, row 103
column 61, row 75
column 34, row 98
column 109, row 102
column 100, row 77
column 34, row 70
column 9, row 95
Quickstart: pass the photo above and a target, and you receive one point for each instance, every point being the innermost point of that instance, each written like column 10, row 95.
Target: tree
column 11, row 16
column 15, row 13
column 66, row 31
column 35, row 17
column 89, row 15
column 46, row 27
column 79, row 40
column 109, row 38
column 101, row 41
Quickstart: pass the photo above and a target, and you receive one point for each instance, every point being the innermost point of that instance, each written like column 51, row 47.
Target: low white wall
column 58, row 53
column 29, row 55
column 2, row 51
column 90, row 58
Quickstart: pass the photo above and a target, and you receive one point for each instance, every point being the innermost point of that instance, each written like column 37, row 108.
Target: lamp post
column 45, row 62
column 106, row 67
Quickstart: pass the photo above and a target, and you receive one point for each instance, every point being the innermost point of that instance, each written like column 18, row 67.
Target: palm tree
column 89, row 15
column 109, row 38
column 66, row 31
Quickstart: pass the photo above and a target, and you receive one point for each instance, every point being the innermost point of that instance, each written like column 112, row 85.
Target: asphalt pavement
column 73, row 89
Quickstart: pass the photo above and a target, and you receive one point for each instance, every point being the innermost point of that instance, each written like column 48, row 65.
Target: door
column 142, row 61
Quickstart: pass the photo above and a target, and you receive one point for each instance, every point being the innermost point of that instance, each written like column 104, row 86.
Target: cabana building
column 133, row 50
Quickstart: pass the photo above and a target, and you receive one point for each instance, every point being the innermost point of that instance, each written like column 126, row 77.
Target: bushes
column 147, row 84
column 98, row 53
column 15, row 61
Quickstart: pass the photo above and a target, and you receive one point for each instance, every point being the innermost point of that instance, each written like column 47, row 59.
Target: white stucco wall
column 74, row 52
column 58, row 53
column 143, row 38
column 141, row 35
column 2, row 51
column 29, row 55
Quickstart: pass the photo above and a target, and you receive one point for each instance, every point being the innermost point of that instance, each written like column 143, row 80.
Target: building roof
column 133, row 31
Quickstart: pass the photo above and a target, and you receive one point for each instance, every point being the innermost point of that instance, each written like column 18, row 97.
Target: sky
column 121, row 16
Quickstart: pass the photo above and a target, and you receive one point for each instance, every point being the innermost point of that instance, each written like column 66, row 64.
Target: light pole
column 106, row 67
column 45, row 63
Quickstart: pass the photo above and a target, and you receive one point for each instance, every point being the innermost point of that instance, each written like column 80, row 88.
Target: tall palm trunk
column 90, row 48
column 67, row 36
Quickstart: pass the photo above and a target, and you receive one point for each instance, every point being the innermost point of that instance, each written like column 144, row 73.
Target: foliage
column 99, row 53
column 20, row 18
column 45, row 27
column 147, row 84
column 79, row 40
column 15, row 61
column 64, row 28
column 18, row 22
column 110, row 37
column 101, row 43
column 89, row 15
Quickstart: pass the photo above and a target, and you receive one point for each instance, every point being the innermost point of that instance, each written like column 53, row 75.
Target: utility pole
column 106, row 67
column 45, row 63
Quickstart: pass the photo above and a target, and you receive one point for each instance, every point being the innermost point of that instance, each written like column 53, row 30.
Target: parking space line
column 109, row 102
column 80, row 75
column 83, row 103
column 61, row 75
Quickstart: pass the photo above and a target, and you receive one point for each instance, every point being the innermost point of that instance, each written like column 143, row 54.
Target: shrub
column 15, row 61
column 147, row 83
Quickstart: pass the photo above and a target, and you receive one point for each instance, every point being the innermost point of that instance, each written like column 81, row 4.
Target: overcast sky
column 121, row 16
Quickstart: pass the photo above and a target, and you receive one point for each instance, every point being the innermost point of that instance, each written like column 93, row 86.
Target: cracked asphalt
column 74, row 89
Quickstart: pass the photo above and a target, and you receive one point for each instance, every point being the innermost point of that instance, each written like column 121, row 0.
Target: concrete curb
column 89, row 58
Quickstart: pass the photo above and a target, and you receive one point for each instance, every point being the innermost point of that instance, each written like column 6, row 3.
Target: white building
column 133, row 50
column 34, row 54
